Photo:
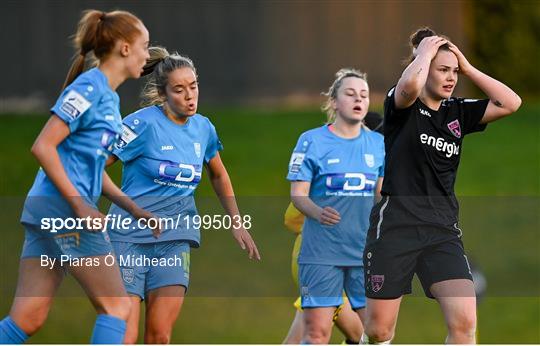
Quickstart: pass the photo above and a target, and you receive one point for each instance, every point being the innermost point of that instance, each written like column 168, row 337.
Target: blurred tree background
column 504, row 38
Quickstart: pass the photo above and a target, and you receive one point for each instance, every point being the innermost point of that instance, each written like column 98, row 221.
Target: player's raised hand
column 329, row 216
column 429, row 46
column 464, row 65
column 247, row 243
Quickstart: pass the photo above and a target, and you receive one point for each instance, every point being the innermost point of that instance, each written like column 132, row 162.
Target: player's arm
column 378, row 189
column 503, row 100
column 221, row 183
column 414, row 76
column 302, row 202
column 111, row 160
column 45, row 151
column 118, row 197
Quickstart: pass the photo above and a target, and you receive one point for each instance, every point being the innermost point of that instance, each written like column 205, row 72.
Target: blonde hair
column 158, row 67
column 97, row 33
column 331, row 94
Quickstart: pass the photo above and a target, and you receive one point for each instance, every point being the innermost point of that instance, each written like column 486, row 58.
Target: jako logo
column 167, row 147
column 424, row 112
column 440, row 145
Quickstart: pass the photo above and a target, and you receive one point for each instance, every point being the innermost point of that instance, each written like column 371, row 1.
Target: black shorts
column 394, row 253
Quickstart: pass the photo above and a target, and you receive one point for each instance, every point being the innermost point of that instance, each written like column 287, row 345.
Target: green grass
column 233, row 300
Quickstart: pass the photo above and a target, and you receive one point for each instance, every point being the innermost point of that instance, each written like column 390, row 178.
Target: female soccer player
column 164, row 147
column 72, row 149
column 335, row 171
column 414, row 228
column 345, row 318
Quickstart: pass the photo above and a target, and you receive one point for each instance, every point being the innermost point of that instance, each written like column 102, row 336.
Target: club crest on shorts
column 454, row 127
column 197, row 147
column 127, row 275
column 377, row 282
column 370, row 160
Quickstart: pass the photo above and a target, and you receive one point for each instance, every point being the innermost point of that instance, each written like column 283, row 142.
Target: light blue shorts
column 323, row 285
column 76, row 243
column 147, row 266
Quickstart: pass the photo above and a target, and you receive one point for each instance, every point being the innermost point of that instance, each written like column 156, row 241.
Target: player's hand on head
column 329, row 216
column 246, row 242
column 429, row 46
column 464, row 65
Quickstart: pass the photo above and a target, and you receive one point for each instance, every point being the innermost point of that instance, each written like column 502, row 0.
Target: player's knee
column 317, row 336
column 379, row 333
column 465, row 326
column 119, row 307
column 131, row 337
column 30, row 323
column 157, row 337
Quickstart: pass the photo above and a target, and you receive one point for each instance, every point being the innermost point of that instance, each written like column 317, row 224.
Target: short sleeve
column 75, row 101
column 473, row 112
column 135, row 132
column 394, row 117
column 214, row 144
column 303, row 162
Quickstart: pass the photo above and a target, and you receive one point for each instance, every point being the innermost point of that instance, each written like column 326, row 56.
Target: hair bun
column 421, row 34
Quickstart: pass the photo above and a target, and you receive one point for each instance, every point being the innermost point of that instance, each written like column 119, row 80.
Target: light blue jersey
column 343, row 175
column 163, row 163
column 91, row 110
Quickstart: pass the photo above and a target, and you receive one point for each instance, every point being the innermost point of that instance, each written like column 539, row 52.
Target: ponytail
column 98, row 32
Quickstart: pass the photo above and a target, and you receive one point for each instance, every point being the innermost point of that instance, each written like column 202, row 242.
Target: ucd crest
column 197, row 147
column 128, row 274
column 370, row 160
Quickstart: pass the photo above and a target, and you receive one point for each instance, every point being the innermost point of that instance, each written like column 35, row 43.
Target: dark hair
column 98, row 32
column 417, row 37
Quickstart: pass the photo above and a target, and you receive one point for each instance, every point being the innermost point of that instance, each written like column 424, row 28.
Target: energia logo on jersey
column 183, row 172
column 440, row 144
column 355, row 184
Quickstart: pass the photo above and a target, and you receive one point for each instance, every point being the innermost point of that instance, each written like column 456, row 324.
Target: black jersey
column 423, row 149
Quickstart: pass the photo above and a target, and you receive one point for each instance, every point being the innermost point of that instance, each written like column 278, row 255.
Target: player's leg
column 132, row 323
column 163, row 306
column 381, row 319
column 446, row 276
column 166, row 287
column 36, row 287
column 104, row 288
column 458, row 304
column 100, row 278
column 296, row 330
column 349, row 323
column 321, row 288
column 133, row 278
column 390, row 259
column 356, row 293
column 317, row 325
